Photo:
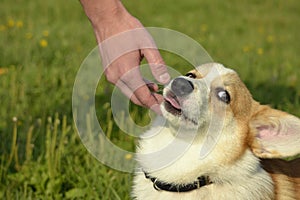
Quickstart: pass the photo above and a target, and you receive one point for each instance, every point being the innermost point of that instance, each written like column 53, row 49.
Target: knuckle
column 110, row 75
column 147, row 100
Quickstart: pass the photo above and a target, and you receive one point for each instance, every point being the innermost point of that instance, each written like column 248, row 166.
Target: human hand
column 123, row 43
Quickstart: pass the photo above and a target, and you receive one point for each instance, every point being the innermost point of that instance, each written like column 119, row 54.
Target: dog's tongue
column 174, row 102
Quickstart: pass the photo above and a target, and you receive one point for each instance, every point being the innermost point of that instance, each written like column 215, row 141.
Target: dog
column 215, row 142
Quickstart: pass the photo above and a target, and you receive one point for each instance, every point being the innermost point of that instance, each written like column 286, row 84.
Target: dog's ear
column 274, row 134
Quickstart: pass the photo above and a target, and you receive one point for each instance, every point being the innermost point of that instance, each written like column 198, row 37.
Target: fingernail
column 164, row 78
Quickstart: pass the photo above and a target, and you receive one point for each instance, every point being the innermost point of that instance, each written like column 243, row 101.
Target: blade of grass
column 13, row 143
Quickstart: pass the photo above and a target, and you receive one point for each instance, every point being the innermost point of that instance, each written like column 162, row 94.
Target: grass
column 42, row 45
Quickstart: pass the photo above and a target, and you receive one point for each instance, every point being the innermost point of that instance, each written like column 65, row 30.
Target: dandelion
column 2, row 27
column 78, row 49
column 19, row 24
column 246, row 49
column 270, row 38
column 45, row 33
column 28, row 36
column 3, row 70
column 261, row 30
column 260, row 51
column 128, row 156
column 43, row 43
column 203, row 27
column 10, row 23
column 14, row 119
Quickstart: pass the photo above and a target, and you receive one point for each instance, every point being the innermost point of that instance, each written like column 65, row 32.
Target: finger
column 158, row 97
column 148, row 99
column 139, row 97
column 133, row 79
column 128, row 93
column 133, row 86
column 157, row 65
column 151, row 85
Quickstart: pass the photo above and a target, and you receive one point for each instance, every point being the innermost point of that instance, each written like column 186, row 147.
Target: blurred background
column 42, row 45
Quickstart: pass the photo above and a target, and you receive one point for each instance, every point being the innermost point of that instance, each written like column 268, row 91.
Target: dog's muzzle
column 182, row 87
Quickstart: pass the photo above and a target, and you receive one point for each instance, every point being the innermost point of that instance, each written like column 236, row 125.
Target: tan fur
column 247, row 160
column 285, row 174
column 286, row 177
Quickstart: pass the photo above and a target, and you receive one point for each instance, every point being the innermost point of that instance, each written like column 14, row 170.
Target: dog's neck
column 244, row 177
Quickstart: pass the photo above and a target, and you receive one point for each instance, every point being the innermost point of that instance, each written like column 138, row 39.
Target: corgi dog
column 215, row 142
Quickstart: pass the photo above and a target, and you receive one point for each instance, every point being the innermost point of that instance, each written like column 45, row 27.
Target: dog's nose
column 182, row 87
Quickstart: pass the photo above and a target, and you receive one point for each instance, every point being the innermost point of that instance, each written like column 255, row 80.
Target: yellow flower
column 2, row 27
column 3, row 70
column 19, row 24
column 246, row 49
column 28, row 35
column 128, row 156
column 270, row 38
column 261, row 30
column 203, row 27
column 10, row 23
column 43, row 43
column 260, row 51
column 45, row 33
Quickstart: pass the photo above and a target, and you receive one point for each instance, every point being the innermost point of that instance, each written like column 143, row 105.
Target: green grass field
column 42, row 45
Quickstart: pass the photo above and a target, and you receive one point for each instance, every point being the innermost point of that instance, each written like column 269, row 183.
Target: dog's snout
column 182, row 87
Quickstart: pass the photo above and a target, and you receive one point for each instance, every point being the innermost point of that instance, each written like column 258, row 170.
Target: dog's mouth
column 172, row 104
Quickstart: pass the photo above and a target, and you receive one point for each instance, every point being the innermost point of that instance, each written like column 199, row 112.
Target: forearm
column 99, row 11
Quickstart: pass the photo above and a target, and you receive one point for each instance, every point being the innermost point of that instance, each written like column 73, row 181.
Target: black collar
column 171, row 187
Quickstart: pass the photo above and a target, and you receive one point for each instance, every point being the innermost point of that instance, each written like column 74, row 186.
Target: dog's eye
column 223, row 95
column 191, row 75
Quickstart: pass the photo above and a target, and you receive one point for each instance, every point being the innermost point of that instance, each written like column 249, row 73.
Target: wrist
column 102, row 11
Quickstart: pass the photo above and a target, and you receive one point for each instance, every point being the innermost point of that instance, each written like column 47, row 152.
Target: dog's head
column 213, row 100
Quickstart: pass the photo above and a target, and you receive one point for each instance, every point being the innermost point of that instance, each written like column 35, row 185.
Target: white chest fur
column 179, row 162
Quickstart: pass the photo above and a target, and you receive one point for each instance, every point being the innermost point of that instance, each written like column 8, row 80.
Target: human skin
column 109, row 19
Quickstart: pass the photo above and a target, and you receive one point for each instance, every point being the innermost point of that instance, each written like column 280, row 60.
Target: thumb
column 157, row 65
